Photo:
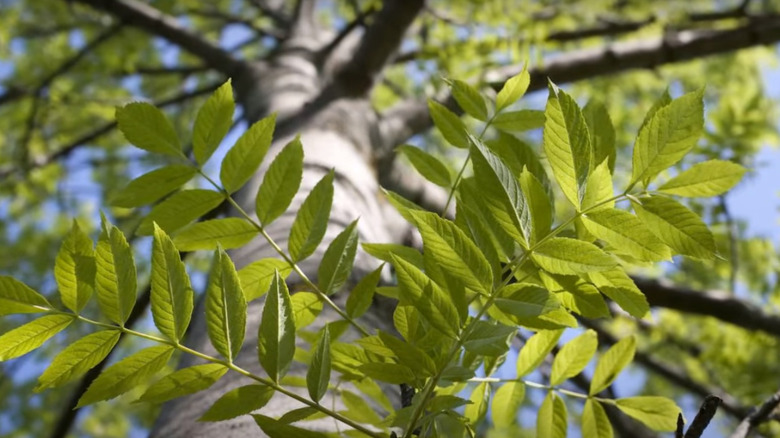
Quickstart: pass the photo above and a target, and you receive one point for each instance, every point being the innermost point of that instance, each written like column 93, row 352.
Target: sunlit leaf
column 451, row 126
column 226, row 233
column 710, row 178
column 657, row 413
column 612, row 363
column 506, row 404
column 243, row 159
column 17, row 297
column 257, row 276
column 183, row 382
column 115, row 275
column 602, row 133
column 627, row 234
column 677, row 226
column 595, row 422
column 573, row 357
column 212, row 122
column 514, row 88
column 561, row 255
column 32, row 335
column 306, row 306
column 146, row 127
column 551, row 417
column 171, row 292
column 536, row 350
column 180, row 209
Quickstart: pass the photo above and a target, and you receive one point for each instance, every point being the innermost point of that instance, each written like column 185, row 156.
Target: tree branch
column 157, row 23
column 616, row 58
column 99, row 132
column 759, row 415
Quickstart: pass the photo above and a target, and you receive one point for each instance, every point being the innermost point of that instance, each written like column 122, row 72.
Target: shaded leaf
column 280, row 182
column 180, row 209
column 336, row 264
column 469, row 99
column 277, row 429
column 477, row 409
column 318, row 374
column 519, row 121
column 225, row 307
column 126, row 374
column 305, row 308
column 78, row 358
column 152, row 186
column 427, row 165
column 362, row 295
column 451, row 126
column 276, row 336
column 489, row 339
column 239, row 401
column 311, row 221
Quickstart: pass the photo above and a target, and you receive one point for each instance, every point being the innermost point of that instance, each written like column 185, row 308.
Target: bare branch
column 376, row 47
column 616, row 58
column 157, row 23
column 759, row 415
column 718, row 305
column 707, row 410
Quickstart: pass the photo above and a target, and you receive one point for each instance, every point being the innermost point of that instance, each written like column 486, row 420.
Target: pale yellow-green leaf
column 573, row 357
column 225, row 307
column 595, row 422
column 226, row 233
column 183, row 382
column 213, row 122
column 78, row 358
column 469, row 100
column 154, row 185
column 115, row 275
column 710, row 178
column 32, row 335
column 256, row 277
column 627, row 234
column 305, row 308
column 551, row 418
column 677, row 226
column 562, row 255
column 146, row 127
column 171, row 292
column 17, row 297
column 514, row 88
column 612, row 363
column 243, row 159
column 536, row 350
column 506, row 404
column 657, row 413
column 449, row 125
column 276, row 335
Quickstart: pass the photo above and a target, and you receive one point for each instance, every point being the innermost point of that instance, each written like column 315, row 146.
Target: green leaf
column 243, row 159
column 489, row 339
column 357, row 410
column 627, row 234
column 599, row 193
column 573, row 357
column 518, row 155
column 677, row 226
column 472, row 209
column 551, row 418
column 276, row 429
column 669, row 134
column 539, row 206
column 612, row 363
column 524, row 300
column 17, row 297
column 180, row 209
column 477, row 409
column 213, row 122
column 561, row 255
column 519, row 121
column 78, row 358
column 276, row 338
column 710, row 178
column 602, row 133
column 427, row 165
column 454, row 251
column 451, row 126
column 225, row 307
column 226, row 233
column 318, row 374
column 171, row 292
column 311, row 222
column 239, row 401
column 427, row 297
column 514, row 88
column 535, row 350
column 305, row 308
column 567, row 144
column 257, row 276
column 662, row 101
column 385, row 251
column 280, row 183
column 336, row 264
column 620, row 288
column 657, row 413
column 506, row 404
column 595, row 422
column 299, row 414
column 470, row 100
column 501, row 192
column 577, row 295
column 147, row 128
column 183, row 382
column 362, row 294
column 402, row 205
column 388, row 372
column 115, row 276
column 152, row 186
column 126, row 374
column 32, row 335
column 407, row 354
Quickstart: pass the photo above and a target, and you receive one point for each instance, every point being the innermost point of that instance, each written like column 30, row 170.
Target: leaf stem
column 323, row 296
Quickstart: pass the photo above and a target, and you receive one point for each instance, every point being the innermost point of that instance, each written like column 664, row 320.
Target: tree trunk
column 339, row 136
